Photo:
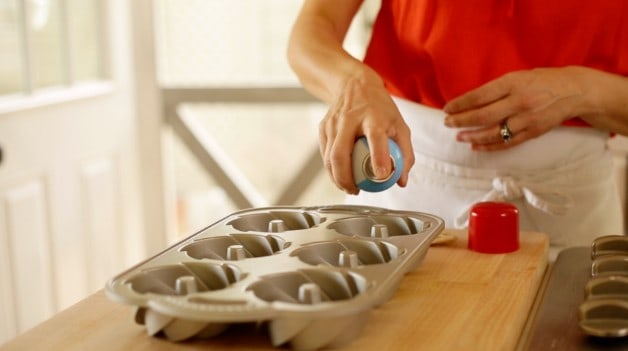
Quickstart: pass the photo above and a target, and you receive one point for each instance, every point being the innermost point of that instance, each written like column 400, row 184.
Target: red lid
column 493, row 227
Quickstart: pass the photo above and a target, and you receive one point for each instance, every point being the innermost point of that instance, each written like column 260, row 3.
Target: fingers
column 484, row 95
column 523, row 126
column 490, row 139
column 532, row 102
column 364, row 108
column 403, row 141
column 335, row 150
column 380, row 155
column 486, row 115
column 340, row 158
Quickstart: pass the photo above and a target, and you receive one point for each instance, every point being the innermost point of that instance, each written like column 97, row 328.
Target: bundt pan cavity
column 349, row 253
column 309, row 286
column 610, row 265
column 609, row 245
column 183, row 279
column 312, row 287
column 379, row 226
column 235, row 247
column 276, row 221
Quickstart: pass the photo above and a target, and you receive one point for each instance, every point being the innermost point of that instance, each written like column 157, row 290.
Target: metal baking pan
column 310, row 274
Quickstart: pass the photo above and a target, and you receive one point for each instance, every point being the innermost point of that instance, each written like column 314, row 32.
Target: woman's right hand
column 359, row 103
column 363, row 107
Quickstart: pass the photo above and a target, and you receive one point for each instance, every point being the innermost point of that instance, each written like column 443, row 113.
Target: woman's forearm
column 607, row 95
column 315, row 51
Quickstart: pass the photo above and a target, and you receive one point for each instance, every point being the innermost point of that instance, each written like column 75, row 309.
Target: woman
column 488, row 100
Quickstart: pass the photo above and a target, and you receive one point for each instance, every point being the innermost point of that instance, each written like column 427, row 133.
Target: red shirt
column 431, row 51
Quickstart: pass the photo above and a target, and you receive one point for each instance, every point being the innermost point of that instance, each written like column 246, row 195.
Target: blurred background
column 126, row 126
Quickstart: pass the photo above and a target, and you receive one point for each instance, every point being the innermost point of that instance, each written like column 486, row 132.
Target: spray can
column 363, row 173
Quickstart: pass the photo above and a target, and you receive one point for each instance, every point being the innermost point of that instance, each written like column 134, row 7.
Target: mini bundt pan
column 311, row 274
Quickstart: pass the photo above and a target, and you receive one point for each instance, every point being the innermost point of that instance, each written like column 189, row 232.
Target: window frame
column 69, row 89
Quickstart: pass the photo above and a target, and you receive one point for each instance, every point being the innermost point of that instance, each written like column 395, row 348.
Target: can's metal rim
column 367, row 169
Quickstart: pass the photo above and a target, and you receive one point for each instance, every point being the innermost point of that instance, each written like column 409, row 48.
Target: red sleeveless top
column 431, row 51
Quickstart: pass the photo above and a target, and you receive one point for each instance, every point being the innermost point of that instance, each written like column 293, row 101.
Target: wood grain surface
column 455, row 300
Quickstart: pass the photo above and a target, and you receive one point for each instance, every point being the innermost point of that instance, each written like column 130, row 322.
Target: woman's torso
column 431, row 51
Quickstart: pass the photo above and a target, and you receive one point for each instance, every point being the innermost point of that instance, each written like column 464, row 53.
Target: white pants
column 562, row 182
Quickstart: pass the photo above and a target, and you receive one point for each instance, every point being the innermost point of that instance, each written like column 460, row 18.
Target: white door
column 71, row 213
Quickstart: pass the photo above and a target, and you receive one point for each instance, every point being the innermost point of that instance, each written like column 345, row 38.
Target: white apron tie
column 510, row 189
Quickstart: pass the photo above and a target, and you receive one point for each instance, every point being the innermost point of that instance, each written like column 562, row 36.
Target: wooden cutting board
column 455, row 300
column 461, row 300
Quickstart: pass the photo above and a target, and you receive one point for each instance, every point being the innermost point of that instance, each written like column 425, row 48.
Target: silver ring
column 505, row 132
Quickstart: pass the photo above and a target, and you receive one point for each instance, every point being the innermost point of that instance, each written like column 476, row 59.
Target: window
column 49, row 44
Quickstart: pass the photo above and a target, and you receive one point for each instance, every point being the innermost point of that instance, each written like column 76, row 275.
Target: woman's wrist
column 605, row 97
column 358, row 76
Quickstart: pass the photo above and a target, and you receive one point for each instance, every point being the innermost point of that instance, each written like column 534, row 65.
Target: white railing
column 212, row 157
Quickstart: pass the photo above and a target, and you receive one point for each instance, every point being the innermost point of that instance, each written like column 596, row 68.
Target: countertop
column 455, row 300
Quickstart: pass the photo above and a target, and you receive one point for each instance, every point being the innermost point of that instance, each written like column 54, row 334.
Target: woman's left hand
column 529, row 102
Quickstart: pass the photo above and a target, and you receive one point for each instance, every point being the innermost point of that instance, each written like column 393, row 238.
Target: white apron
column 562, row 182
